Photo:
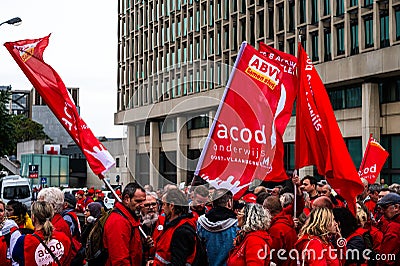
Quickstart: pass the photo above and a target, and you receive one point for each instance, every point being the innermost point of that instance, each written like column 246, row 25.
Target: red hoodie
column 283, row 237
column 316, row 252
column 253, row 250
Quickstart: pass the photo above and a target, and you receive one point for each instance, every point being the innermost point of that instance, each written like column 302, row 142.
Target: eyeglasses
column 87, row 210
column 153, row 204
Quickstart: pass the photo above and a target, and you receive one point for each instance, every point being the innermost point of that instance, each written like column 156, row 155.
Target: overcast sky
column 82, row 49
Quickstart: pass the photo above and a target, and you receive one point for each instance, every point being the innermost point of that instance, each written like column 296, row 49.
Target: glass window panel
column 355, row 149
column 395, row 151
column 397, row 14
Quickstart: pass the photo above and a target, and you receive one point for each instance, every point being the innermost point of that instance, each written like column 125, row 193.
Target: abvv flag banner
column 374, row 158
column 29, row 56
column 281, row 101
column 239, row 147
column 319, row 141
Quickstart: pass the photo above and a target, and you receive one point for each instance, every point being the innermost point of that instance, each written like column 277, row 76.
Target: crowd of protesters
column 206, row 226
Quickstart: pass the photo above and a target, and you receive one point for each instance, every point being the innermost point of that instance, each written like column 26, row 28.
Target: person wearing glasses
column 152, row 224
column 389, row 205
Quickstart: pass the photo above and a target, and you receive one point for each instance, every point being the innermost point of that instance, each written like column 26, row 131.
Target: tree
column 16, row 128
column 6, row 125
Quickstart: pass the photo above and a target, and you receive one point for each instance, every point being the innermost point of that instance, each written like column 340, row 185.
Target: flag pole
column 366, row 152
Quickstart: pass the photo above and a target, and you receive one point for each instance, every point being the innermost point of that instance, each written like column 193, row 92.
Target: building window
column 193, row 158
column 201, row 121
column 353, row 2
column 314, row 11
column 291, row 16
column 340, row 8
column 327, row 46
column 354, row 38
column 314, row 43
column 397, row 13
column 302, row 11
column 391, row 170
column 340, row 39
column 260, row 27
column 142, row 129
column 389, row 90
column 142, row 168
column 167, row 167
column 270, row 23
column 347, row 97
column 354, row 145
column 384, row 21
column 117, row 162
column 368, row 2
column 288, row 156
column 211, row 13
column 168, row 125
column 369, row 32
column 327, row 7
column 281, row 18
column 291, row 46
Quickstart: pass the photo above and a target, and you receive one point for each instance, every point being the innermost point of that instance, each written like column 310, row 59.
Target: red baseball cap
column 250, row 198
column 80, row 192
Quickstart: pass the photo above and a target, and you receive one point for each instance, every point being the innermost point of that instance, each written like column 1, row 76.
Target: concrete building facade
column 175, row 56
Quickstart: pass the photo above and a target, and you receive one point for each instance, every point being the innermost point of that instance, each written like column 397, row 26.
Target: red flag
column 239, row 146
column 281, row 102
column 29, row 56
column 374, row 158
column 319, row 141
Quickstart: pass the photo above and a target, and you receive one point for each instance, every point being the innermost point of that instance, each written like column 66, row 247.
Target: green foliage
column 16, row 128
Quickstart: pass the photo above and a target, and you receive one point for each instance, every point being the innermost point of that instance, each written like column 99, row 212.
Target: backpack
column 201, row 257
column 77, row 249
column 369, row 244
column 95, row 251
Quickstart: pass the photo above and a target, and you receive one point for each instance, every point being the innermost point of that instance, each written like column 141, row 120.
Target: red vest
column 163, row 242
column 36, row 254
column 3, row 253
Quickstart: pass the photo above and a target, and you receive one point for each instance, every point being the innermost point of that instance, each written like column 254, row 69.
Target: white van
column 17, row 188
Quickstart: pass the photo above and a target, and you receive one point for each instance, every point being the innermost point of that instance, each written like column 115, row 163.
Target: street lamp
column 14, row 21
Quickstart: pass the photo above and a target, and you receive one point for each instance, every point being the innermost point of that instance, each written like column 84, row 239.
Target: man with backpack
column 121, row 235
column 72, row 220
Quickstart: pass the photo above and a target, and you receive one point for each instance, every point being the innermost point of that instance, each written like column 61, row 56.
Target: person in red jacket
column 31, row 249
column 389, row 205
column 176, row 243
column 252, row 245
column 313, row 245
column 282, row 231
column 121, row 231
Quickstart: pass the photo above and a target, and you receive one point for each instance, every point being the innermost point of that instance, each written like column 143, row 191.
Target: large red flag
column 29, row 56
column 374, row 158
column 281, row 108
column 319, row 141
column 239, row 145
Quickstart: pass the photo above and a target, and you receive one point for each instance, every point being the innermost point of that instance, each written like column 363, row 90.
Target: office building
column 174, row 59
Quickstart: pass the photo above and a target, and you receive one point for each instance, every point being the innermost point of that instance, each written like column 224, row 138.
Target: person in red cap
column 96, row 194
column 89, row 197
column 80, row 201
